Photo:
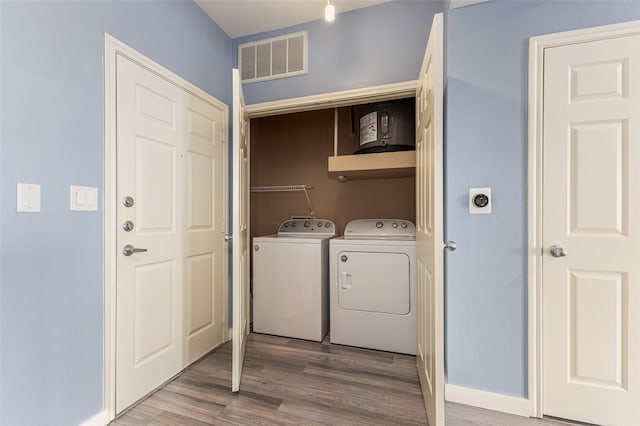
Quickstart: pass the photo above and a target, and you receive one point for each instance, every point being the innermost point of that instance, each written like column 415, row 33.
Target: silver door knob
column 450, row 245
column 558, row 251
column 128, row 250
column 228, row 237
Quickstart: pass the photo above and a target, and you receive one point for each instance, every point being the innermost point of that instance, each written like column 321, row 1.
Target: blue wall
column 486, row 145
column 367, row 47
column 51, row 132
column 51, row 263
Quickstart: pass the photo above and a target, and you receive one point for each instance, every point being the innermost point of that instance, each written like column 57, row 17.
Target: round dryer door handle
column 450, row 246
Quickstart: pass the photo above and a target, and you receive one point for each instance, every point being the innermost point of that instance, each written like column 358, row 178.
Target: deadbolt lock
column 128, row 201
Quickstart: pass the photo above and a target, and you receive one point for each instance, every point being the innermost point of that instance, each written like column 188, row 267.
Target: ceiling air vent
column 271, row 58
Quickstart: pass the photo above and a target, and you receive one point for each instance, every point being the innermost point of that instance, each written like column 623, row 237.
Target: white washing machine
column 291, row 280
column 373, row 285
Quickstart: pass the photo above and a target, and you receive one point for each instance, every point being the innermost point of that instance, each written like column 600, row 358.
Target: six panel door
column 171, row 190
column 591, row 232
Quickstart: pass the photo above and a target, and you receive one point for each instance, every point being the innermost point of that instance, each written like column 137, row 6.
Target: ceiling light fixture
column 329, row 12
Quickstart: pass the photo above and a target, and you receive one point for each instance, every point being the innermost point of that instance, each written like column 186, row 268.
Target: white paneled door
column 240, row 252
column 205, row 184
column 429, row 229
column 171, row 191
column 591, row 232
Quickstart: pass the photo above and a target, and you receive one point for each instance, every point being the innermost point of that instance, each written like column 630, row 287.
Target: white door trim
column 113, row 47
column 405, row 89
column 537, row 45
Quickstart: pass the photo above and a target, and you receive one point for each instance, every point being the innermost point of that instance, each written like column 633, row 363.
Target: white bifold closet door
column 240, row 252
column 429, row 226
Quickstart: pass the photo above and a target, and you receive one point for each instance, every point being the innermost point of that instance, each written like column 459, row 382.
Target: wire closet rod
column 286, row 188
column 280, row 188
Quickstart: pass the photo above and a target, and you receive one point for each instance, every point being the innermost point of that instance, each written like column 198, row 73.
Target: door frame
column 327, row 100
column 365, row 95
column 112, row 48
column 537, row 46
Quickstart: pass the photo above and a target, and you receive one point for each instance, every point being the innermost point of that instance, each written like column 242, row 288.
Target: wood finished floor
column 296, row 382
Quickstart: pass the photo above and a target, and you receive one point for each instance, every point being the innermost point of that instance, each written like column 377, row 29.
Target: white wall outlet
column 83, row 198
column 28, row 198
column 479, row 200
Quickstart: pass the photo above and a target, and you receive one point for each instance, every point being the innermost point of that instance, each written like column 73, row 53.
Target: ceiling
column 239, row 18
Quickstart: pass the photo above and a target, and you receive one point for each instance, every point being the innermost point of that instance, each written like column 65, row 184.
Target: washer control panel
column 310, row 227
column 380, row 228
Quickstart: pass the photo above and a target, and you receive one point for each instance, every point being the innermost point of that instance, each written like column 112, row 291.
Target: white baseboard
column 488, row 400
column 99, row 419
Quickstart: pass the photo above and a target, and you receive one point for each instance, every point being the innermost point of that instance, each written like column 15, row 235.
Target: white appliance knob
column 379, row 224
column 394, row 225
column 404, row 225
column 307, row 224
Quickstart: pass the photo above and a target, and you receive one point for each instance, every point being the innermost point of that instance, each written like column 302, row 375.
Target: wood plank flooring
column 296, row 382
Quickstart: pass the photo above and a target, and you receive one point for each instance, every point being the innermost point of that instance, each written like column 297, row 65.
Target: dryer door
column 374, row 282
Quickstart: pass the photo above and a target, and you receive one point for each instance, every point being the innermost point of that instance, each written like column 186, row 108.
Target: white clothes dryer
column 291, row 280
column 373, row 285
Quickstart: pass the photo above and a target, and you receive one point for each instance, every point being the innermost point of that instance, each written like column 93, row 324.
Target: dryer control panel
column 307, row 227
column 391, row 229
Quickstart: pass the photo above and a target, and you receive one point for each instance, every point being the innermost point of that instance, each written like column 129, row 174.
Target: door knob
column 558, row 251
column 128, row 250
column 450, row 245
column 228, row 238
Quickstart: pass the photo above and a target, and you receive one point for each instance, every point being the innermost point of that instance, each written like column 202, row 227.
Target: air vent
column 272, row 58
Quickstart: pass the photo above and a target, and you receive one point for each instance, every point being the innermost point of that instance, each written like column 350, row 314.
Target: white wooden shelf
column 373, row 166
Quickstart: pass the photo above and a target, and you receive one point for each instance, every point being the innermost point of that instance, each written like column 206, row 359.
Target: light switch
column 83, row 198
column 28, row 198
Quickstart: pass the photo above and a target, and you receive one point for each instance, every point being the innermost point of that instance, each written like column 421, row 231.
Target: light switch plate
column 83, row 198
column 28, row 198
column 473, row 208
